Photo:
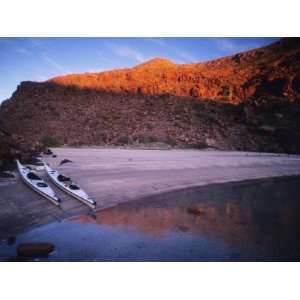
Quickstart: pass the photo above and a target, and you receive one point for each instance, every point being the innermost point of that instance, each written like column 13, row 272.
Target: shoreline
column 65, row 215
column 205, row 187
column 115, row 176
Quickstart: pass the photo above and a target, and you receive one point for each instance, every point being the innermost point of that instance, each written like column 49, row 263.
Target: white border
column 149, row 281
column 149, row 18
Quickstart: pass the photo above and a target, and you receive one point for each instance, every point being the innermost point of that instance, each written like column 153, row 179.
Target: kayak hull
column 53, row 198
column 84, row 199
column 93, row 206
column 57, row 203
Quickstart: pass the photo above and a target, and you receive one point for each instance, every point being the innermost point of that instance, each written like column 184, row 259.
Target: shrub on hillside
column 123, row 140
column 49, row 141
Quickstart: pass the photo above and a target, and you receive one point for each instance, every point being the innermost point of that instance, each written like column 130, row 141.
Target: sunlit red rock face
column 249, row 101
column 272, row 70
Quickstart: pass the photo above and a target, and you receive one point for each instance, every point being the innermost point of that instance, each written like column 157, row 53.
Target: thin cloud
column 127, row 52
column 36, row 42
column 184, row 56
column 15, row 45
column 229, row 45
column 224, row 44
column 158, row 41
column 104, row 58
column 22, row 50
column 54, row 63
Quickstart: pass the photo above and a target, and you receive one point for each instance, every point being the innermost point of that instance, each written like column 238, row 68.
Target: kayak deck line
column 67, row 185
column 37, row 184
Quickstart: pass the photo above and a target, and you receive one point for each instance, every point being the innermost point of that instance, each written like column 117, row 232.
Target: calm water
column 248, row 221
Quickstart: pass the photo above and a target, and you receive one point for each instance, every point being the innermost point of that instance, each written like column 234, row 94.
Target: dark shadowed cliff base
column 87, row 117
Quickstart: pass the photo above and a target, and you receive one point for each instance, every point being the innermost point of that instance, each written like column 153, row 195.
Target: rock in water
column 34, row 249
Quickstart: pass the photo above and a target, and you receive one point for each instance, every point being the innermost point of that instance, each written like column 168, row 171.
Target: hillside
column 248, row 101
column 271, row 70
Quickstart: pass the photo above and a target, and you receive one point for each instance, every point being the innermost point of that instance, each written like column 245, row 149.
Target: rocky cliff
column 271, row 70
column 249, row 101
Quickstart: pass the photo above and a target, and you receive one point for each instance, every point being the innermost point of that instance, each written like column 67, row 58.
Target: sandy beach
column 113, row 176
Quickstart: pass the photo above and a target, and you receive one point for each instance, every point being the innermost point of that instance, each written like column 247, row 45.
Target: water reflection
column 245, row 221
column 259, row 216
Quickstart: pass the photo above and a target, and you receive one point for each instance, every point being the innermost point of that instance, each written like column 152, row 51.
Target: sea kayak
column 37, row 184
column 69, row 186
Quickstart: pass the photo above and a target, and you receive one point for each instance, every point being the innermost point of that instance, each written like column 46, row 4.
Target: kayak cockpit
column 42, row 184
column 69, row 186
column 63, row 178
column 74, row 187
column 33, row 176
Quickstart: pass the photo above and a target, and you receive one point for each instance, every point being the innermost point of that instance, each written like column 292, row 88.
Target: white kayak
column 68, row 186
column 37, row 184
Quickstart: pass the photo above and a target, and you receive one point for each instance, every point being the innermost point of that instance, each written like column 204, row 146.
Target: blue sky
column 38, row 59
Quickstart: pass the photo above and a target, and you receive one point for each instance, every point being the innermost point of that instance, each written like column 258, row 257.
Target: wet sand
column 114, row 176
